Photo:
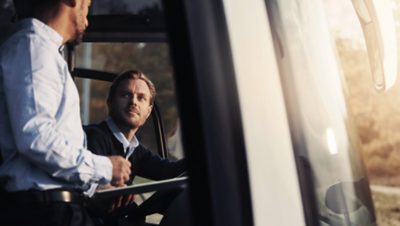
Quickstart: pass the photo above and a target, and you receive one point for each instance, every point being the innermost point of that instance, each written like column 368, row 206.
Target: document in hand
column 141, row 188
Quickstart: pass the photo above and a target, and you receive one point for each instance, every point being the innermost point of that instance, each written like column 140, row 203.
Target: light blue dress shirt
column 42, row 143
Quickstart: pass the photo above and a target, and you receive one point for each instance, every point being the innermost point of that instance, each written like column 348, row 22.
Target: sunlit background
column 376, row 114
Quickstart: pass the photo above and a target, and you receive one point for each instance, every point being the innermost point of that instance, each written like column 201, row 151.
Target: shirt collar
column 121, row 137
column 44, row 30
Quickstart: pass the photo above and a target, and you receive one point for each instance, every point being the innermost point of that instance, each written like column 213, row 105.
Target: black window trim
column 210, row 113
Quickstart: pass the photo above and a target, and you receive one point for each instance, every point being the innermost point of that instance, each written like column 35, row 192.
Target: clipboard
column 141, row 188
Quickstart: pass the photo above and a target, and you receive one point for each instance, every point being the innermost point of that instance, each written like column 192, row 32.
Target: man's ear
column 150, row 109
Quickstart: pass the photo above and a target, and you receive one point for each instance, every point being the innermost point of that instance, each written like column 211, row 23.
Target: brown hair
column 132, row 74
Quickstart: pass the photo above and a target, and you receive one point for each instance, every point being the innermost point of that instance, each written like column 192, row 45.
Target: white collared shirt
column 132, row 145
column 41, row 136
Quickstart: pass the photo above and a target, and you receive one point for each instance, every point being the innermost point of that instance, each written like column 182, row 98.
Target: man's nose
column 133, row 100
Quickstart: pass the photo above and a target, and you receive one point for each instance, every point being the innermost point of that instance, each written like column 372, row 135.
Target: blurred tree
column 376, row 114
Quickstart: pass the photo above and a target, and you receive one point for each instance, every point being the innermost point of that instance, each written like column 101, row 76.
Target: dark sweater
column 144, row 162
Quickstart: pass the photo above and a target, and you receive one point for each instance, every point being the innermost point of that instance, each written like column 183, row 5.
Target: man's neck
column 58, row 21
column 128, row 133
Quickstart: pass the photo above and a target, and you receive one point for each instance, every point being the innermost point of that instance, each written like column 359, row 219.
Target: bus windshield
column 323, row 134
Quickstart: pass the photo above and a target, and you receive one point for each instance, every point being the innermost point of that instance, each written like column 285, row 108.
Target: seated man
column 129, row 103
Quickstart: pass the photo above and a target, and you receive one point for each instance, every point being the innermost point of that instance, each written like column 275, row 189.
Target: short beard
column 78, row 40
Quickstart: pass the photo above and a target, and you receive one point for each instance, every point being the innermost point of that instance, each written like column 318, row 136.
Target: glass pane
column 97, row 91
column 324, row 137
column 153, row 60
column 376, row 115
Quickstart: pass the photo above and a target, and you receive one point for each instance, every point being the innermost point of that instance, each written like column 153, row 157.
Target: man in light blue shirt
column 45, row 165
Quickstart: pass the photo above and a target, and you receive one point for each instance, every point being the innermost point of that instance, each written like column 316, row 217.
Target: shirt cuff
column 90, row 192
column 102, row 169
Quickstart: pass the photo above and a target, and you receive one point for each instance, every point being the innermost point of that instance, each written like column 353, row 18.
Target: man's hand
column 104, row 187
column 121, row 170
column 122, row 201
